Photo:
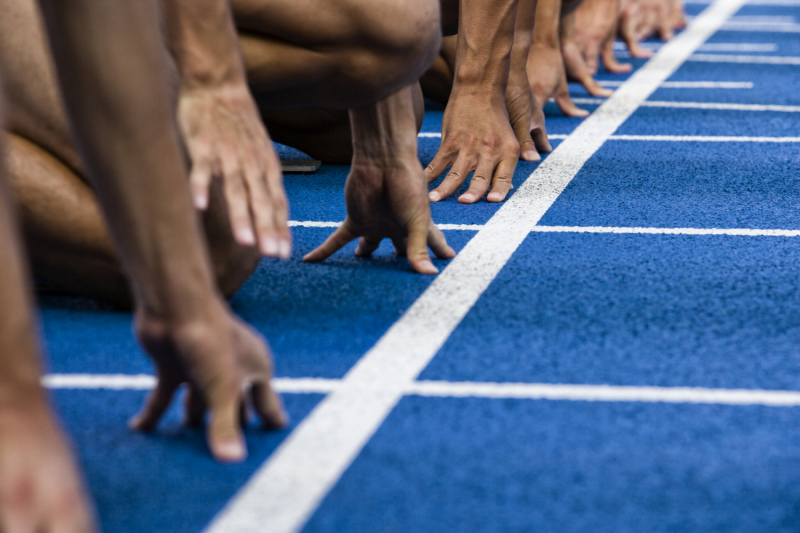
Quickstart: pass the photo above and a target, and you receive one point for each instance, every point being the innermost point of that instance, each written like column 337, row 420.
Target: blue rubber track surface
column 570, row 307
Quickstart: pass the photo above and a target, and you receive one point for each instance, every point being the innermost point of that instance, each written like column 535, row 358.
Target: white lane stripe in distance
column 691, row 84
column 119, row 382
column 448, row 389
column 751, row 2
column 733, row 232
column 285, row 491
column 604, row 393
column 744, row 59
column 710, row 47
column 669, row 138
column 703, row 105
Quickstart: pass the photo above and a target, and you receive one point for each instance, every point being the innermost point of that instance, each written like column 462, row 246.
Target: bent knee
column 233, row 266
column 401, row 40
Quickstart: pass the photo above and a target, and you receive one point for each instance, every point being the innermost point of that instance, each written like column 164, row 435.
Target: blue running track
column 665, row 267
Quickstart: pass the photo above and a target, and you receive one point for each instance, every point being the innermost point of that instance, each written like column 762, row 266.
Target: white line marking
column 770, row 27
column 435, row 135
column 753, row 60
column 741, row 232
column 605, row 393
column 710, row 47
column 99, row 381
column 691, row 84
column 751, row 2
column 285, row 491
column 704, row 139
column 147, row 382
column 312, row 224
column 532, row 391
column 703, row 105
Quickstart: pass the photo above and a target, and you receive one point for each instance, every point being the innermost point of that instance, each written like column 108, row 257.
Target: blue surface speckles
column 161, row 482
column 684, row 184
column 320, row 319
column 650, row 310
column 472, row 465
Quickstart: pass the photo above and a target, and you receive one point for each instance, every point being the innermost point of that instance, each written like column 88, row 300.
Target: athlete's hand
column 388, row 199
column 595, row 29
column 632, row 21
column 549, row 80
column 574, row 62
column 40, row 488
column 526, row 116
column 225, row 364
column 225, row 139
column 476, row 136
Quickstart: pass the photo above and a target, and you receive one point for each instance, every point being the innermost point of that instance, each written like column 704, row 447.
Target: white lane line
column 605, row 393
column 652, row 138
column 753, row 60
column 710, row 47
column 147, row 382
column 285, row 491
column 703, row 105
column 691, row 84
column 704, row 139
column 740, row 232
column 448, row 389
column 312, row 224
column 767, row 27
column 436, row 135
column 751, row 2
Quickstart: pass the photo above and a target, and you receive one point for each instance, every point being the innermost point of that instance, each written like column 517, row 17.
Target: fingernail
column 270, row 246
column 200, row 201
column 427, row 267
column 467, row 198
column 495, row 197
column 246, row 236
column 531, row 155
column 230, row 450
column 285, row 249
column 434, row 196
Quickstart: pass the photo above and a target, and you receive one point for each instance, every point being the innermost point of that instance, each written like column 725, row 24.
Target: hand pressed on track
column 226, row 366
column 388, row 199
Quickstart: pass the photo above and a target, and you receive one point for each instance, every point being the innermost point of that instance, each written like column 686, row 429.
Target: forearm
column 386, row 131
column 202, row 39
column 20, row 368
column 485, row 39
column 548, row 14
column 523, row 36
column 114, row 84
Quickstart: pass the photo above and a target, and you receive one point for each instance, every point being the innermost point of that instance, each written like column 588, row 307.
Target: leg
column 349, row 55
column 69, row 243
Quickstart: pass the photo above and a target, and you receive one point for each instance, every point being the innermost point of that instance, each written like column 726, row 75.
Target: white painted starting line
column 449, row 389
column 288, row 487
column 725, row 58
column 733, row 232
column 667, row 138
column 704, row 105
column 710, row 47
column 691, row 84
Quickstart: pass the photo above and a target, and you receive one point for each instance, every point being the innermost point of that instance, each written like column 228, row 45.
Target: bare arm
column 37, row 472
column 476, row 132
column 386, row 190
column 114, row 83
column 221, row 125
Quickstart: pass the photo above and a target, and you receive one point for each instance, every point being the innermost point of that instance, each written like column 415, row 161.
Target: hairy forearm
column 485, row 39
column 202, row 38
column 548, row 14
column 114, row 83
